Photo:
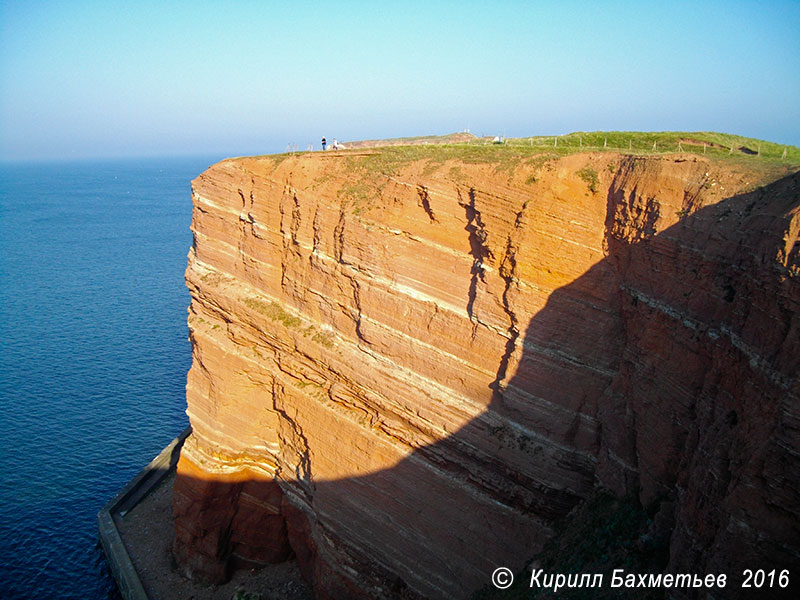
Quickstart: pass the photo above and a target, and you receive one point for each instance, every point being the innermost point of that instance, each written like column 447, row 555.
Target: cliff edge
column 405, row 372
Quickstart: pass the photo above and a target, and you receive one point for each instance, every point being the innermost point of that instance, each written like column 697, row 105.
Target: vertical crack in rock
column 693, row 198
column 425, row 203
column 479, row 251
column 652, row 212
column 432, row 317
column 284, row 243
column 338, row 236
column 612, row 399
column 357, row 304
column 508, row 268
column 316, row 237
column 299, row 442
column 250, row 218
column 251, row 197
column 290, row 223
column 246, row 223
column 346, row 271
column 242, row 222
column 296, row 219
column 616, row 205
column 789, row 254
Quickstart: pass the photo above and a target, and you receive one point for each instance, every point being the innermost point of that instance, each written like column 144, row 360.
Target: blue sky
column 106, row 79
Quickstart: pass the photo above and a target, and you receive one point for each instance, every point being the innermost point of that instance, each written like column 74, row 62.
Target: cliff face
column 405, row 373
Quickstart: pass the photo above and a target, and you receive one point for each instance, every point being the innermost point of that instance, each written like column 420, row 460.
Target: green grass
column 663, row 142
column 601, row 535
column 211, row 278
column 325, row 338
column 273, row 311
column 589, row 175
column 304, row 384
column 379, row 163
column 358, row 194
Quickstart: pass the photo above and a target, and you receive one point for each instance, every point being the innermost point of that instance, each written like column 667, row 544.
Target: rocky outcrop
column 404, row 372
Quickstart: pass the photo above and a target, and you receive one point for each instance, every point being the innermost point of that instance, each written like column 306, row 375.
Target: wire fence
column 650, row 146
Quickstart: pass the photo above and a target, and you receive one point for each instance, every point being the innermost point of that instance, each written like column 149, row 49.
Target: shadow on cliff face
column 667, row 374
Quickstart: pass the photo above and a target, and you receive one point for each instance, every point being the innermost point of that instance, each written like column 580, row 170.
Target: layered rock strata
column 405, row 372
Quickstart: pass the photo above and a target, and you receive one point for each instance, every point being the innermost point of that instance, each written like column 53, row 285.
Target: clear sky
column 102, row 79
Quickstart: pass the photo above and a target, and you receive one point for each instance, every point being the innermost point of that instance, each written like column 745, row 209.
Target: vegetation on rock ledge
column 601, row 535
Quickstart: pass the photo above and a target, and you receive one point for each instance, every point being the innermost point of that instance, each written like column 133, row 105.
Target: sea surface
column 93, row 355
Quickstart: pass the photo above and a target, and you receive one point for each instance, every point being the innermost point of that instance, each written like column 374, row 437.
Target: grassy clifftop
column 663, row 142
column 627, row 142
column 386, row 156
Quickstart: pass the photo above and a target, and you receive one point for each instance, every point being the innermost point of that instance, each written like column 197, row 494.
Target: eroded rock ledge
column 405, row 374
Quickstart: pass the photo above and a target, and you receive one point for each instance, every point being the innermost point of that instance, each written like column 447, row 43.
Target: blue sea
column 93, row 355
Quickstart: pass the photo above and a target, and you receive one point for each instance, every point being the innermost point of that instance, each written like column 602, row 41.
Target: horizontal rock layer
column 406, row 373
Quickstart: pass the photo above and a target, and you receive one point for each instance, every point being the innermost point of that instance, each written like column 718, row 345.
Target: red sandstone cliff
column 405, row 375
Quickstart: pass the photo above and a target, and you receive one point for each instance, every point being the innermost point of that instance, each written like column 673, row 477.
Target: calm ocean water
column 93, row 355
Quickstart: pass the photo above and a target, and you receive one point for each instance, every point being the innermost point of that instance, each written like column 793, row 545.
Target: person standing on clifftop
column 324, row 143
